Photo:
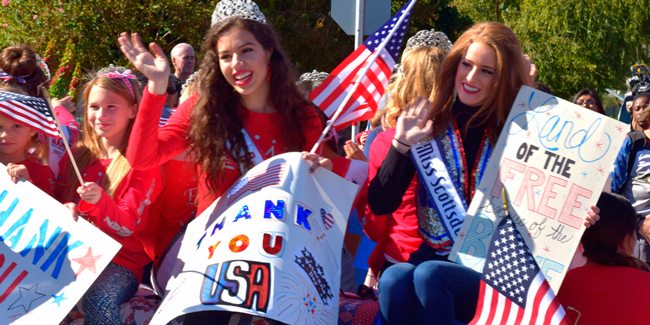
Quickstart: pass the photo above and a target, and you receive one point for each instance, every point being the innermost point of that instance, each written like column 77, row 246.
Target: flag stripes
column 361, row 78
column 31, row 111
column 273, row 175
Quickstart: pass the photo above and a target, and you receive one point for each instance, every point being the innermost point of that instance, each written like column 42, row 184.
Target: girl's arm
column 151, row 146
column 122, row 214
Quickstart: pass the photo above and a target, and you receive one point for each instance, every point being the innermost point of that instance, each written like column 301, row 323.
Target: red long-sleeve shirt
column 396, row 235
column 173, row 209
column 122, row 215
column 151, row 146
column 40, row 175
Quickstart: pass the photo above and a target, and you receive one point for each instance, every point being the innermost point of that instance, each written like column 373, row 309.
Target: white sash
column 440, row 188
column 252, row 150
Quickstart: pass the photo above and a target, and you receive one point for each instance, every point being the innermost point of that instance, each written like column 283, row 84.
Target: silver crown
column 237, row 8
column 314, row 76
column 428, row 38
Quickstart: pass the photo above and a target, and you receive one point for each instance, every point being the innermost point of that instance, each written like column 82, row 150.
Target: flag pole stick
column 360, row 13
column 360, row 76
column 46, row 95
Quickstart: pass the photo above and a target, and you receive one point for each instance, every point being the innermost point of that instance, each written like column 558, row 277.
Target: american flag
column 513, row 289
column 165, row 115
column 328, row 219
column 363, row 102
column 272, row 175
column 31, row 111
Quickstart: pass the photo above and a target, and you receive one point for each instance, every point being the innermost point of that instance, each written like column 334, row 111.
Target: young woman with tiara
column 114, row 197
column 246, row 109
column 477, row 84
column 397, row 234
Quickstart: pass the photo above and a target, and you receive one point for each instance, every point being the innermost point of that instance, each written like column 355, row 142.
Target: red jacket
column 173, row 209
column 396, row 235
column 598, row 294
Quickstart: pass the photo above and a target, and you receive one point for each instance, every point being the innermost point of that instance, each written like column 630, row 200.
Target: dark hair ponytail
column 601, row 241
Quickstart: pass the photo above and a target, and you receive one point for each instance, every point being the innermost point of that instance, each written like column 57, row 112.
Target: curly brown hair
column 215, row 121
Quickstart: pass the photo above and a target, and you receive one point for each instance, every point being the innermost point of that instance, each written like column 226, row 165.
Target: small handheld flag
column 34, row 112
column 353, row 89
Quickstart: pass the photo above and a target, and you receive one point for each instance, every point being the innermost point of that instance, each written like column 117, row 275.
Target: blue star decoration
column 27, row 296
column 58, row 299
column 584, row 174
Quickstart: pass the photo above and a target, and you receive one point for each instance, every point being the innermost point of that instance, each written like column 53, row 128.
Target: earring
column 268, row 73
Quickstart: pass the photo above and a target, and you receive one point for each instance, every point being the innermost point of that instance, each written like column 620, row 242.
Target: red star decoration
column 87, row 262
column 578, row 115
column 601, row 170
column 521, row 104
column 619, row 129
column 461, row 235
column 546, row 249
column 599, row 145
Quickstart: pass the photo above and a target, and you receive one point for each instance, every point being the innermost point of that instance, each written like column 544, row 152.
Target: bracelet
column 402, row 143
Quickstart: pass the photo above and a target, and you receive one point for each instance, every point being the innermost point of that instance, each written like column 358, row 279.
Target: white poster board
column 553, row 159
column 47, row 260
column 270, row 246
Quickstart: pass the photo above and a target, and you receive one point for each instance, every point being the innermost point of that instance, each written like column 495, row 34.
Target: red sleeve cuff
column 85, row 207
column 153, row 97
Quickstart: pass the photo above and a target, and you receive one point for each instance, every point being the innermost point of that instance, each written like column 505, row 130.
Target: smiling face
column 476, row 74
column 244, row 63
column 14, row 140
column 109, row 114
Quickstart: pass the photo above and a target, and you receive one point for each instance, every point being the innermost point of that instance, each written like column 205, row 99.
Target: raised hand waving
column 152, row 63
column 413, row 126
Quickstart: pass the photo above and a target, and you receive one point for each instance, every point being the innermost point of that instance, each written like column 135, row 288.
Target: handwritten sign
column 552, row 159
column 270, row 246
column 47, row 260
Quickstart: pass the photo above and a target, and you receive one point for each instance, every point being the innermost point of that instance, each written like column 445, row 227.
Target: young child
column 22, row 68
column 22, row 151
column 113, row 196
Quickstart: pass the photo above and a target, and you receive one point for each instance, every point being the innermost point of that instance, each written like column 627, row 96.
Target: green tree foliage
column 436, row 14
column 309, row 35
column 93, row 25
column 575, row 44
